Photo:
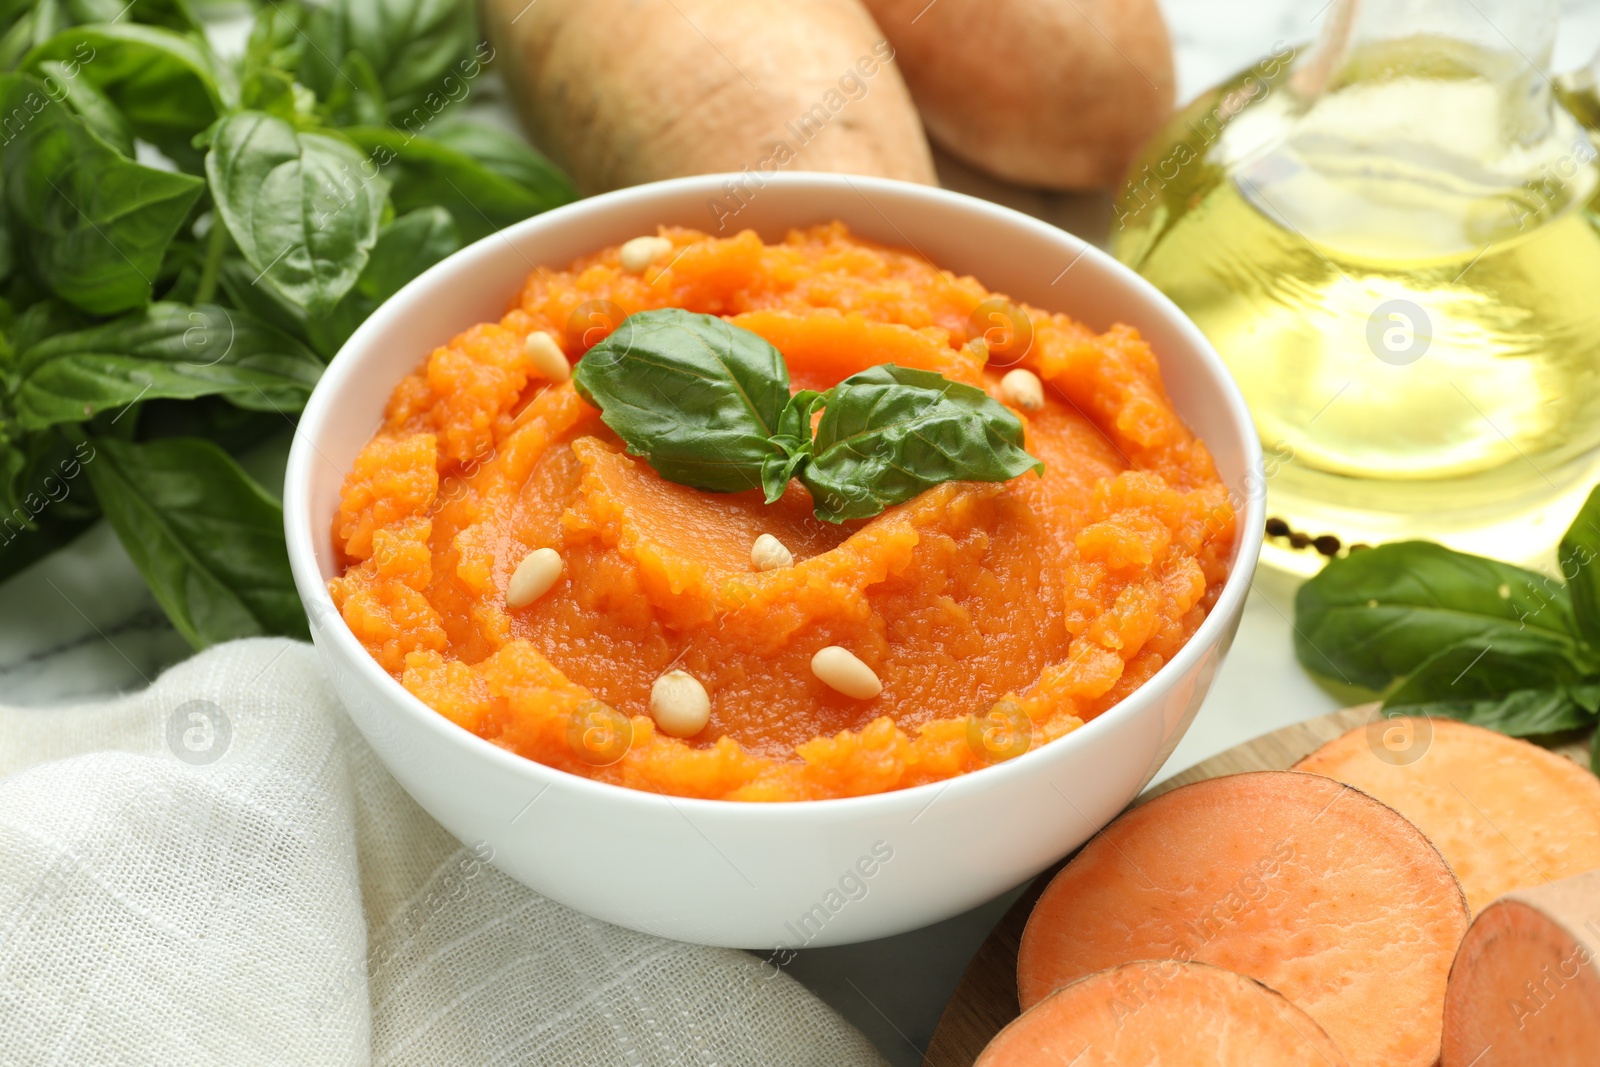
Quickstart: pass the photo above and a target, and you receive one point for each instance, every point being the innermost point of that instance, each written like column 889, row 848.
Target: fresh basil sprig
column 707, row 405
column 166, row 351
column 1443, row 633
column 185, row 236
column 695, row 395
column 888, row 433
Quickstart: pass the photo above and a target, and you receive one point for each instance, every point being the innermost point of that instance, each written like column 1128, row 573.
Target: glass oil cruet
column 1390, row 237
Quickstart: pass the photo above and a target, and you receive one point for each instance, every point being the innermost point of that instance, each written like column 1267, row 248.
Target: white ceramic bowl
column 767, row 876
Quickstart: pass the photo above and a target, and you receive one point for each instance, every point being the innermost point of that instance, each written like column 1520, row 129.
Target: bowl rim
column 301, row 540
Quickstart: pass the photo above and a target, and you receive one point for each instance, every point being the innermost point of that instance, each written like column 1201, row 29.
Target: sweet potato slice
column 1166, row 1012
column 1504, row 813
column 1525, row 988
column 1296, row 880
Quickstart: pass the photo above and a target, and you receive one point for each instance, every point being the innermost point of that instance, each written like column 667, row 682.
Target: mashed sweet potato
column 1049, row 598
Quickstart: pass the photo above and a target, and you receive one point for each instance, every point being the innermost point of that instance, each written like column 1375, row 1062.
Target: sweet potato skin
column 621, row 92
column 1052, row 93
column 1504, row 813
column 1525, row 987
column 1167, row 1012
column 1302, row 883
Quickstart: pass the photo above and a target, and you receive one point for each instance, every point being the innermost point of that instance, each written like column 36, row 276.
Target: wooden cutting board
column 986, row 998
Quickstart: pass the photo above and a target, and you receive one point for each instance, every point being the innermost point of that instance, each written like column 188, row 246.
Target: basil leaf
column 1523, row 684
column 12, row 10
column 509, row 156
column 246, row 288
column 889, row 433
column 356, row 97
column 164, row 82
column 45, row 318
column 26, row 30
column 207, row 539
column 406, row 247
column 45, row 500
column 234, row 429
column 30, row 23
column 168, row 350
column 272, row 54
column 315, row 33
column 277, row 38
column 14, row 485
column 696, row 396
column 1478, row 667
column 413, row 45
column 47, row 485
column 91, row 105
column 425, row 172
column 95, row 224
column 1520, row 713
column 1594, row 752
column 302, row 207
column 1378, row 615
column 173, row 14
column 13, row 460
column 1579, row 557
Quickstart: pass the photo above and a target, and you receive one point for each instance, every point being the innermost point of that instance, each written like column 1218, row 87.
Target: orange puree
column 1050, row 598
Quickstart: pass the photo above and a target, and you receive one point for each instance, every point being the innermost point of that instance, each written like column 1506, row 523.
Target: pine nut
column 838, row 668
column 547, row 357
column 640, row 252
column 1022, row 389
column 533, row 577
column 679, row 704
column 769, row 554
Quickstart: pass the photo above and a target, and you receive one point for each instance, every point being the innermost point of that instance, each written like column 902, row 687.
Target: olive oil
column 1401, row 267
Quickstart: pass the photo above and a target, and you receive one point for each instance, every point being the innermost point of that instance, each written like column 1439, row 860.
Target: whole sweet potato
column 627, row 91
column 1052, row 93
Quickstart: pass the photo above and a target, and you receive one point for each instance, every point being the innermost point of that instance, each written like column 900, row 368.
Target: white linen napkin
column 218, row 871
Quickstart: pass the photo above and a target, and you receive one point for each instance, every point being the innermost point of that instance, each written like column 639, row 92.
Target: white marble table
column 82, row 625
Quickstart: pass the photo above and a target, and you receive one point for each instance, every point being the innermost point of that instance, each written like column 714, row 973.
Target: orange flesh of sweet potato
column 1063, row 593
column 1163, row 1012
column 1525, row 988
column 1296, row 880
column 1504, row 813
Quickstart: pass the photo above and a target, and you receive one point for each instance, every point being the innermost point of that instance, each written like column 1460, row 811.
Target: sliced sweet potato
column 1296, row 880
column 1162, row 1012
column 1525, row 988
column 1504, row 813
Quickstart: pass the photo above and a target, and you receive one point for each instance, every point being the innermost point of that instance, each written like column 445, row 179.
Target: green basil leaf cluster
column 1439, row 632
column 165, row 351
column 186, row 239
column 708, row 405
